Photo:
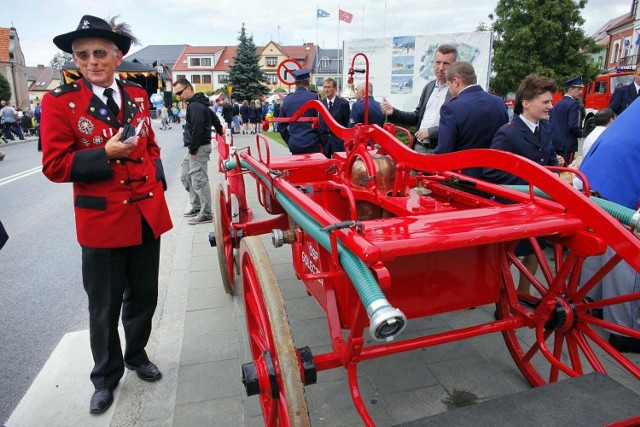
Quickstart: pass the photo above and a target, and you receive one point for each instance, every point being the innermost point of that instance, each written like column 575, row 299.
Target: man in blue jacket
column 566, row 123
column 625, row 95
column 301, row 137
column 611, row 166
column 472, row 116
column 375, row 116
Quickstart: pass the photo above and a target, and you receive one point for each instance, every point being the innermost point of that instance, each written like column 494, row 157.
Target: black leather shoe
column 147, row 372
column 101, row 400
column 624, row 344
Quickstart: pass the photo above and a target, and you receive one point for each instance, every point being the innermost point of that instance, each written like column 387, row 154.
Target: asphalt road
column 41, row 294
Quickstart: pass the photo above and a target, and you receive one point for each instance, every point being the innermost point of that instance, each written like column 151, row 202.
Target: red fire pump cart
column 378, row 245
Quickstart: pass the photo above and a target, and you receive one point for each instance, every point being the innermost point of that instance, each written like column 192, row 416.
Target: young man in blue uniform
column 301, row 137
column 566, row 122
column 528, row 135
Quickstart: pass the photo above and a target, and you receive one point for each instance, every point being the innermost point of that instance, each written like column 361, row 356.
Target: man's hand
column 561, row 161
column 422, row 135
column 115, row 149
column 386, row 108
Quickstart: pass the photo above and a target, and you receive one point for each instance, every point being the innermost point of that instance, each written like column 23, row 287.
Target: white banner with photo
column 400, row 67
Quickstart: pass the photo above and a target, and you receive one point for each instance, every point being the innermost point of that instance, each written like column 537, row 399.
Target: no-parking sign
column 286, row 69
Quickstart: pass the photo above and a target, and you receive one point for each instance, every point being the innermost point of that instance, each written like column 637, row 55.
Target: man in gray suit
column 426, row 117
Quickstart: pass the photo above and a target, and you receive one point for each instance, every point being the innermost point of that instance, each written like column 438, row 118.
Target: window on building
column 180, row 76
column 272, row 61
column 223, row 78
column 195, row 79
column 616, row 52
column 199, row 62
column 325, row 62
column 627, row 47
column 206, row 79
column 272, row 79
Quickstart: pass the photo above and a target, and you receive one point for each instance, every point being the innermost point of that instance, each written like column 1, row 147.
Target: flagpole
column 384, row 27
column 317, row 21
column 362, row 33
column 339, row 28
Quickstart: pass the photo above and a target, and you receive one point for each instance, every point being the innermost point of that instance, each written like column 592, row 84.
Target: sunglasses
column 178, row 93
column 97, row 53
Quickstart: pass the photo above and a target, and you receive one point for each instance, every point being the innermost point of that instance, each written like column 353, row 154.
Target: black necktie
column 536, row 132
column 111, row 103
column 330, row 105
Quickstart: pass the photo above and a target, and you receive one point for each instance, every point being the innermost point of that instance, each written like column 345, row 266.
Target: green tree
column 245, row 75
column 59, row 59
column 543, row 37
column 5, row 89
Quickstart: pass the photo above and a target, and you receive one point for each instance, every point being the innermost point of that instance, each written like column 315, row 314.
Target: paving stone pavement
column 396, row 389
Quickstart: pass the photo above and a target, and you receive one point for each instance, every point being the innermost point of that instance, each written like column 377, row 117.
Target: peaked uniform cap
column 574, row 82
column 92, row 27
column 302, row 74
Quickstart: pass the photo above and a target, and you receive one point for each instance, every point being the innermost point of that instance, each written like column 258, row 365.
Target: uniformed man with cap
column 301, row 137
column 118, row 188
column 566, row 123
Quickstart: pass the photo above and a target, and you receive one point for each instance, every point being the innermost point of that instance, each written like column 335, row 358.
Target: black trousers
column 117, row 278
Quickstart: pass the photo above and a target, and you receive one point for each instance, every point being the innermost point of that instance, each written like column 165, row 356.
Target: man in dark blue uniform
column 566, row 123
column 625, row 95
column 339, row 109
column 301, row 137
column 376, row 116
column 472, row 116
column 528, row 135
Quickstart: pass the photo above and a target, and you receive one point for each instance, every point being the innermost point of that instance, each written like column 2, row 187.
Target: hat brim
column 64, row 42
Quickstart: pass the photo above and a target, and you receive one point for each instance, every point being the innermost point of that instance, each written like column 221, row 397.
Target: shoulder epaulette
column 69, row 87
column 130, row 83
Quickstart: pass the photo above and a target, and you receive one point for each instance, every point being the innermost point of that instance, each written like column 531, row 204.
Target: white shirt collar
column 99, row 92
column 529, row 123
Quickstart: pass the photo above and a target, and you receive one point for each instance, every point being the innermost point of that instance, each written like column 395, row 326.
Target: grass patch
column 275, row 136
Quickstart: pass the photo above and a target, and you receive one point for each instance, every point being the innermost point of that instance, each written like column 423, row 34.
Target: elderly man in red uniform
column 118, row 191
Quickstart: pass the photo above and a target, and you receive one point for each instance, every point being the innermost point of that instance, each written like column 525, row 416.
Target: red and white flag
column 345, row 16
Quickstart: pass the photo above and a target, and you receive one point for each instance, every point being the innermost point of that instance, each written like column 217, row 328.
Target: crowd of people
column 119, row 182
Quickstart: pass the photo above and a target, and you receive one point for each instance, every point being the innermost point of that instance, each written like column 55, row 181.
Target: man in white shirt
column 603, row 119
column 427, row 114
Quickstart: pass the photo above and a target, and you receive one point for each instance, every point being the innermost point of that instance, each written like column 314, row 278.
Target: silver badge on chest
column 85, row 126
column 97, row 140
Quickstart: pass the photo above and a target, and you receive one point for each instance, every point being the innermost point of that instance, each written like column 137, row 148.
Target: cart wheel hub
column 564, row 315
column 260, row 372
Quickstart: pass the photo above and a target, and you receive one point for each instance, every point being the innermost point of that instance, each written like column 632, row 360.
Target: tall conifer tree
column 245, row 75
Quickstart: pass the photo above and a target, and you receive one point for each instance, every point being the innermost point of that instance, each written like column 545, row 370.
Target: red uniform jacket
column 110, row 196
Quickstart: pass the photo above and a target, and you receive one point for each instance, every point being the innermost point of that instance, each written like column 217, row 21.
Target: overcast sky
column 206, row 22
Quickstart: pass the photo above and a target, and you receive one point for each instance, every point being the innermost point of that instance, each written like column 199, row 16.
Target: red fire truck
column 597, row 94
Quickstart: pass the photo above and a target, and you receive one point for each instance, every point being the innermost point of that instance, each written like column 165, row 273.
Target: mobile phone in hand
column 129, row 132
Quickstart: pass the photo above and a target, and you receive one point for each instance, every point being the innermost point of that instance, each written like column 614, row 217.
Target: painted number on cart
column 310, row 260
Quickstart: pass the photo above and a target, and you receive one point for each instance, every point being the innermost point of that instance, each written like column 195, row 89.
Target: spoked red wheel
column 275, row 364
column 564, row 335
column 224, row 240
